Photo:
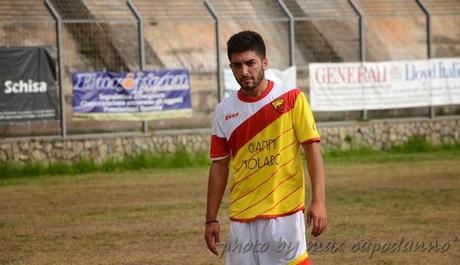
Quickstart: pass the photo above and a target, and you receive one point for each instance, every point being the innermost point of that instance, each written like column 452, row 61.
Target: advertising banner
column 27, row 84
column 384, row 85
column 146, row 95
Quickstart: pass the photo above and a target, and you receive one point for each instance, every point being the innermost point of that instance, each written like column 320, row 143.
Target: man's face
column 248, row 69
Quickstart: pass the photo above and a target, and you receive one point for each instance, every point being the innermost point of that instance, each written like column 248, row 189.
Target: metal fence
column 266, row 17
column 443, row 36
column 393, row 30
column 180, row 34
column 325, row 31
column 119, row 35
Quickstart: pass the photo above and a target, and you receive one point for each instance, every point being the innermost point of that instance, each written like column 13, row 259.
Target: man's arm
column 316, row 213
column 218, row 176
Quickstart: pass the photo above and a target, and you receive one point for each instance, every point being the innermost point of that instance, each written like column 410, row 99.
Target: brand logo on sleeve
column 231, row 116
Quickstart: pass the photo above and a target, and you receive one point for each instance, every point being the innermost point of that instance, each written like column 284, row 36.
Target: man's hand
column 211, row 235
column 316, row 213
column 317, row 216
column 218, row 175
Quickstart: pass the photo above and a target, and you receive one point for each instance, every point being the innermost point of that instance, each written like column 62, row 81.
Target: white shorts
column 278, row 240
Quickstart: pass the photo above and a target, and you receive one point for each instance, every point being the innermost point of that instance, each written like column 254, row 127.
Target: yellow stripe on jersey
column 303, row 121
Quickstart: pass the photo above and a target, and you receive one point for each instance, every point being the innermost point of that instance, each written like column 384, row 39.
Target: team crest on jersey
column 278, row 104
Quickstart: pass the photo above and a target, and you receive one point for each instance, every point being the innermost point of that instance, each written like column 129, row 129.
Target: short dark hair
column 246, row 41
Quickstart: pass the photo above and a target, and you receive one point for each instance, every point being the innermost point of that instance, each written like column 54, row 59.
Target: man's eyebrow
column 243, row 62
column 248, row 61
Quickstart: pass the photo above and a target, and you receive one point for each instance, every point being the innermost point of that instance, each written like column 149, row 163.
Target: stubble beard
column 257, row 80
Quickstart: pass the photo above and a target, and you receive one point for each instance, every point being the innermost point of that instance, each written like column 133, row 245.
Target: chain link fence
column 394, row 30
column 116, row 35
column 325, row 31
column 445, row 36
column 180, row 34
column 96, row 35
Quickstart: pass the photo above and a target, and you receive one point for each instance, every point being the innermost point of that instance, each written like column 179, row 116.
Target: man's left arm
column 316, row 213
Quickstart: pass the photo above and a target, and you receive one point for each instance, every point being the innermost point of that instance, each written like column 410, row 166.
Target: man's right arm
column 218, row 176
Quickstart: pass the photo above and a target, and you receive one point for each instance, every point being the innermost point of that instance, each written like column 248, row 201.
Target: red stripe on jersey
column 253, row 155
column 282, row 201
column 270, row 193
column 306, row 261
column 219, row 147
column 245, row 177
column 260, row 120
column 314, row 140
column 265, row 181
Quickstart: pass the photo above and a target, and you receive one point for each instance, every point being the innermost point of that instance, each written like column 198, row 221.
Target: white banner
column 286, row 77
column 384, row 85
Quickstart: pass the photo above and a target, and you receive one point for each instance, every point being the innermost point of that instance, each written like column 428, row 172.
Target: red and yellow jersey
column 263, row 135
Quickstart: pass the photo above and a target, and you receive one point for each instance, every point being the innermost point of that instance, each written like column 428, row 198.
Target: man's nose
column 244, row 69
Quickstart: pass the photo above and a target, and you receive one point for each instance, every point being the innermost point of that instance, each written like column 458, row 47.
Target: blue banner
column 143, row 95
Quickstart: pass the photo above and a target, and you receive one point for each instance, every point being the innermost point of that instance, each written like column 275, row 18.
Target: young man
column 257, row 132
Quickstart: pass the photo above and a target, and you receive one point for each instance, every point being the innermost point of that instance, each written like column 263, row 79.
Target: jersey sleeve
column 219, row 144
column 303, row 121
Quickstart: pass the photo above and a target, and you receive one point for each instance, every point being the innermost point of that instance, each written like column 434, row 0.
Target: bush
column 415, row 144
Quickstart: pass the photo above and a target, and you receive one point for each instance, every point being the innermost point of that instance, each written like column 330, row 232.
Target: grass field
column 156, row 216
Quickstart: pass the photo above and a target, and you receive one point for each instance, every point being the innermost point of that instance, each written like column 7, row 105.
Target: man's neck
column 257, row 91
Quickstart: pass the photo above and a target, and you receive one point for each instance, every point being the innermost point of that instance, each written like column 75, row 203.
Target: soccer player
column 257, row 134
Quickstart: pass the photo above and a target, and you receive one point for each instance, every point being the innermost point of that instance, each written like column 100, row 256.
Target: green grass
column 180, row 159
column 415, row 148
column 364, row 157
column 418, row 148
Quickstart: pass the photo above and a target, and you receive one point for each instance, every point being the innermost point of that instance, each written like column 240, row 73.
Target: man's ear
column 265, row 63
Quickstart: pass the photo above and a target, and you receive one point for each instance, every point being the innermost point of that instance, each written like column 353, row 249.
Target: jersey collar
column 267, row 90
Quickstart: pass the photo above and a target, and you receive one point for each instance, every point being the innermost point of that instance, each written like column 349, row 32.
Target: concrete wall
column 378, row 134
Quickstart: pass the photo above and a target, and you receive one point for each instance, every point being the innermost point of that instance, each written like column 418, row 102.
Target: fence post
column 428, row 42
column 362, row 45
column 140, row 27
column 140, row 22
column 291, row 32
column 62, row 104
column 220, row 90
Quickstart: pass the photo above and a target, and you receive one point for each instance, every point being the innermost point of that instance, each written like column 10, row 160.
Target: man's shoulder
column 282, row 89
column 227, row 102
